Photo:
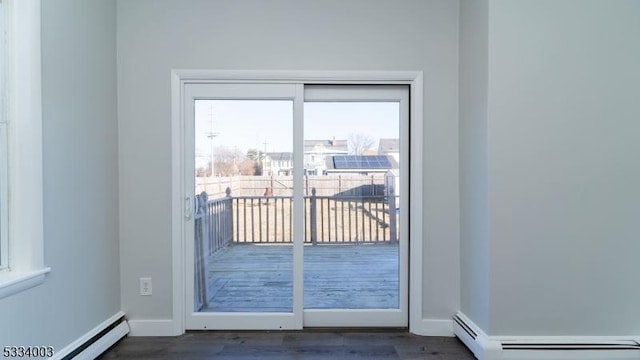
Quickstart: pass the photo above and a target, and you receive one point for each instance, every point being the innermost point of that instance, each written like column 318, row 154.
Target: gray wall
column 564, row 167
column 563, row 174
column 474, row 242
column 80, row 180
column 155, row 36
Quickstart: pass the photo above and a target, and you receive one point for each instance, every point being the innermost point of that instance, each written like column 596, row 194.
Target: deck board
column 258, row 278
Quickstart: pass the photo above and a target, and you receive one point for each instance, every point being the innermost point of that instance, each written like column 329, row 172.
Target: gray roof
column 280, row 156
column 337, row 145
column 388, row 146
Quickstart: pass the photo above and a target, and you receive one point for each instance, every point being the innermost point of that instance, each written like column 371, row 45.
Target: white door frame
column 179, row 78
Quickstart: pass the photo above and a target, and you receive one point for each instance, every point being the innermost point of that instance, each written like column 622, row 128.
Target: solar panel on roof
column 361, row 162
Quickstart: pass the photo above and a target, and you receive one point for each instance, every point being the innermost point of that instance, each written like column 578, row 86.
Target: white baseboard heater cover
column 96, row 341
column 543, row 348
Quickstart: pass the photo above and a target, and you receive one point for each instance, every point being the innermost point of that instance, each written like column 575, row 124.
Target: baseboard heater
column 467, row 328
column 539, row 348
column 97, row 341
column 617, row 345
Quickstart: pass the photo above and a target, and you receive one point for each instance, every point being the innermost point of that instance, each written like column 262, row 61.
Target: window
column 4, row 236
column 21, row 147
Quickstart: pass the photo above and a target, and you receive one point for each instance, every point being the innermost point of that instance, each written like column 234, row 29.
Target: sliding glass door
column 296, row 195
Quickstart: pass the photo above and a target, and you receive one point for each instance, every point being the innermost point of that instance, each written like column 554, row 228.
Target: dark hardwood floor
column 307, row 344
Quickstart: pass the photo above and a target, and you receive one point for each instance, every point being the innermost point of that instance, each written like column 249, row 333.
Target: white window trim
column 4, row 189
column 26, row 256
column 176, row 326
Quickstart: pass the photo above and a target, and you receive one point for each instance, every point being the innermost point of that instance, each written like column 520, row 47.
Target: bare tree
column 247, row 167
column 226, row 161
column 359, row 142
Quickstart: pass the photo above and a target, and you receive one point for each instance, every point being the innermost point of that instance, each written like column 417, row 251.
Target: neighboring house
column 278, row 163
column 390, row 147
column 316, row 153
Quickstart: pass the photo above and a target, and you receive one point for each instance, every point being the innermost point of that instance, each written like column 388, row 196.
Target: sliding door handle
column 188, row 208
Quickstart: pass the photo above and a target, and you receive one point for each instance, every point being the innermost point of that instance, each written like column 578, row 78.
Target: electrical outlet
column 146, row 288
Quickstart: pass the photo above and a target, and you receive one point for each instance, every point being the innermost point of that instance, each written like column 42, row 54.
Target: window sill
column 13, row 283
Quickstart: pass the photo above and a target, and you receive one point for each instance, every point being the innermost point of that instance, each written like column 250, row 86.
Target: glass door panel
column 355, row 252
column 352, row 158
column 243, row 234
column 243, row 227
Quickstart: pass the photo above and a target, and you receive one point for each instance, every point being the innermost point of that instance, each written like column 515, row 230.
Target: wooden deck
column 258, row 278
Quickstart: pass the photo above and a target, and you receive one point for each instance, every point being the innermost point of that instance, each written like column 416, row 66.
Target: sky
column 249, row 124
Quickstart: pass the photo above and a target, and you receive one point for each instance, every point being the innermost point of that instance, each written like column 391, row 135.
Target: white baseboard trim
column 433, row 327
column 152, row 328
column 98, row 346
column 486, row 347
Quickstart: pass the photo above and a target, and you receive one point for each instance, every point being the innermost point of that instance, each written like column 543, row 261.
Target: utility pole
column 211, row 135
column 264, row 159
column 235, row 166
